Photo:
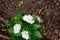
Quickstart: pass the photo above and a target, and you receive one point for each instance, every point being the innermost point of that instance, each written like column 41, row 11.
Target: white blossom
column 28, row 18
column 25, row 35
column 39, row 19
column 17, row 28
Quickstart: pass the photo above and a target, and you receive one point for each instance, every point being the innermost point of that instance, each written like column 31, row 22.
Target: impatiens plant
column 23, row 27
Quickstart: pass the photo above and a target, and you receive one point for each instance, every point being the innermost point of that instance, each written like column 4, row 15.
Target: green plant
column 23, row 27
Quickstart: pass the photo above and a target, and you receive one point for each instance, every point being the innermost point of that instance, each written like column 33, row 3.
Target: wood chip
column 1, row 19
column 5, row 37
column 21, row 2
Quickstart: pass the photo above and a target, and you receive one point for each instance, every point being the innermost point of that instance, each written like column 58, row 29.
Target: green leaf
column 29, row 33
column 35, row 26
column 8, row 23
column 15, row 37
column 18, row 22
column 34, row 16
column 21, row 13
column 18, row 34
column 12, row 19
column 32, row 37
column 10, row 30
column 16, row 18
column 19, row 16
column 37, row 34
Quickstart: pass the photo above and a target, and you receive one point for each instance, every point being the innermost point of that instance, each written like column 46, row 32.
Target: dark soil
column 49, row 10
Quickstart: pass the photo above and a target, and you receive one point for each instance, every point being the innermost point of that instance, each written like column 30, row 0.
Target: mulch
column 49, row 10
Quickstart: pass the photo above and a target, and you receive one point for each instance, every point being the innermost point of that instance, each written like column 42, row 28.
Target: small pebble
column 2, row 24
column 57, row 3
column 19, row 4
column 1, row 19
column 3, row 30
column 56, row 31
column 45, row 34
column 12, row 2
column 59, row 34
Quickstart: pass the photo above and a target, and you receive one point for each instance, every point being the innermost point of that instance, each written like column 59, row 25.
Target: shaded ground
column 50, row 13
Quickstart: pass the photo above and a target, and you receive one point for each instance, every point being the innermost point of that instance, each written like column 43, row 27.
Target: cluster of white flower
column 17, row 27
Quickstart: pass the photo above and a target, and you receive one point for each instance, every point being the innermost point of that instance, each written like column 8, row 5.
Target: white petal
column 25, row 17
column 17, row 28
column 39, row 19
column 25, row 34
column 30, row 17
column 32, row 21
column 16, row 31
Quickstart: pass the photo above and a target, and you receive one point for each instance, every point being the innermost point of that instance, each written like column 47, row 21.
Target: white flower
column 39, row 19
column 25, row 35
column 28, row 18
column 17, row 28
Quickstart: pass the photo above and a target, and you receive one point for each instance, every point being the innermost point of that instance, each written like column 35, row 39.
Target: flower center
column 28, row 19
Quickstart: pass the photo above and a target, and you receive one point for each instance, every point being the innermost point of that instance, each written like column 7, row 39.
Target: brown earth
column 49, row 10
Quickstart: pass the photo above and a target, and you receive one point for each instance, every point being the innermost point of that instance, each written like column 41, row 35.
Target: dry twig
column 5, row 37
